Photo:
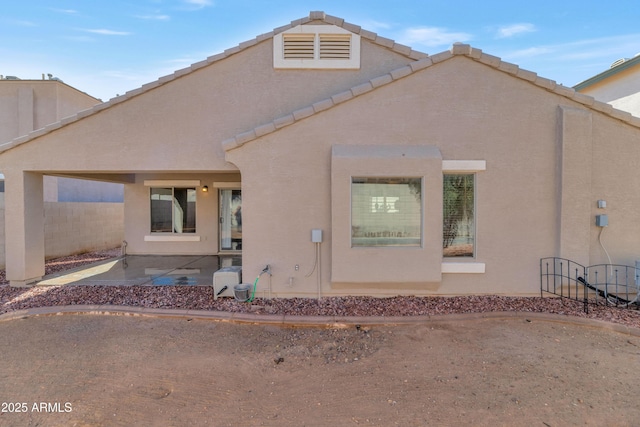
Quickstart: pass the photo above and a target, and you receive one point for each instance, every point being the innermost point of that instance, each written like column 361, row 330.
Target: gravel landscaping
column 202, row 298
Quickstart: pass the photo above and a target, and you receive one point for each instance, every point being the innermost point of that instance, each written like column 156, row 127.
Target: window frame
column 465, row 265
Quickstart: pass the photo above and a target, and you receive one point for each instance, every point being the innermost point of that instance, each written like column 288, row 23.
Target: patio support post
column 24, row 227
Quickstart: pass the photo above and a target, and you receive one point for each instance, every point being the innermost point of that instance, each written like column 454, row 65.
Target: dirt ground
column 92, row 370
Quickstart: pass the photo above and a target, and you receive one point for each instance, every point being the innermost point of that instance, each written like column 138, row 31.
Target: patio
column 151, row 270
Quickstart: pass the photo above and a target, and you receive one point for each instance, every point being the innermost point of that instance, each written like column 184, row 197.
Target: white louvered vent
column 316, row 47
column 335, row 46
column 298, row 46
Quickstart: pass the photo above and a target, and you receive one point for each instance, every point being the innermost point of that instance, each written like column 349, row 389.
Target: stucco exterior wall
column 75, row 228
column 2, row 233
column 212, row 104
column 616, row 179
column 294, row 138
column 468, row 114
column 138, row 214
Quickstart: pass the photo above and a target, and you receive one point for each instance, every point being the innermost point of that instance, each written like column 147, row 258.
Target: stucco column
column 24, row 227
column 575, row 199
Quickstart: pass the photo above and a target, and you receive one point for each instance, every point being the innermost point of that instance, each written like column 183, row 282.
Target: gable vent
column 298, row 46
column 327, row 47
column 335, row 46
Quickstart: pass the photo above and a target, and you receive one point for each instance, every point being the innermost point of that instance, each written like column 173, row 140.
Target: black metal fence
column 607, row 284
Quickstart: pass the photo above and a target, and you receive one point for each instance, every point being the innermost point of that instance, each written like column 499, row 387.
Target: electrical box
column 602, row 204
column 602, row 220
column 316, row 235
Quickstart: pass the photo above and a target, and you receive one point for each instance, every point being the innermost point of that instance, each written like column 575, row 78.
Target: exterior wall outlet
column 602, row 220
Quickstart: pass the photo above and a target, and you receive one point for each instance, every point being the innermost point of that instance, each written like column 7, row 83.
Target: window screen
column 386, row 211
column 459, row 215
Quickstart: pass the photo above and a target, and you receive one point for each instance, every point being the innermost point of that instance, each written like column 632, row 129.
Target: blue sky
column 108, row 47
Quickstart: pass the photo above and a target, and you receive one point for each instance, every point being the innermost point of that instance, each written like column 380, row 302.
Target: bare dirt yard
column 94, row 370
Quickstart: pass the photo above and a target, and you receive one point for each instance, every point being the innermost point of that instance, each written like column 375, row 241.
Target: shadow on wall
column 77, row 227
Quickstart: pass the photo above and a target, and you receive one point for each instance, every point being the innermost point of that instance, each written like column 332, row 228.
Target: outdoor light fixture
column 205, row 189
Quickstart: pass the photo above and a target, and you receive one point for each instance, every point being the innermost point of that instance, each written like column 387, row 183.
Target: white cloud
column 375, row 25
column 604, row 47
column 432, row 37
column 515, row 29
column 66, row 11
column 105, row 32
column 532, row 51
column 199, row 4
column 156, row 17
column 574, row 61
column 25, row 23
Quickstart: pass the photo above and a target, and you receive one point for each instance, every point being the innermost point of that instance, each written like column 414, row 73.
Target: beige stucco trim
column 227, row 185
column 463, row 267
column 172, row 183
column 464, row 165
column 171, row 238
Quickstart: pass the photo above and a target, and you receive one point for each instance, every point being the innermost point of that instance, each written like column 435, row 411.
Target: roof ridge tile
column 402, row 49
column 381, row 80
column 422, row 61
column 369, row 35
column 420, row 64
column 334, row 20
column 399, row 73
column 490, row 60
column 508, row 67
column 425, row 62
column 362, row 88
column 442, row 56
column 342, row 97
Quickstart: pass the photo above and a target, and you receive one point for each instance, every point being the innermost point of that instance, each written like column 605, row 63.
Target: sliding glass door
column 230, row 220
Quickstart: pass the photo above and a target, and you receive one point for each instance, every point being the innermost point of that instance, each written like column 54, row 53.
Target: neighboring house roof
column 456, row 50
column 317, row 16
column 624, row 65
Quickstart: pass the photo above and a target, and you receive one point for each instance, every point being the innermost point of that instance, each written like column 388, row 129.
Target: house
column 72, row 207
column 618, row 86
column 351, row 165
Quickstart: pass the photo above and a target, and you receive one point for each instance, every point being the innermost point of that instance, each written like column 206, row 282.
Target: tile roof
column 615, row 69
column 456, row 50
column 422, row 60
column 313, row 17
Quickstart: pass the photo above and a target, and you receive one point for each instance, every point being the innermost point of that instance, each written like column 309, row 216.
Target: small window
column 459, row 215
column 386, row 212
column 173, row 210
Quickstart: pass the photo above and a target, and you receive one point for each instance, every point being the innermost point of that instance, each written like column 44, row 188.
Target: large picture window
column 173, row 210
column 459, row 215
column 386, row 211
